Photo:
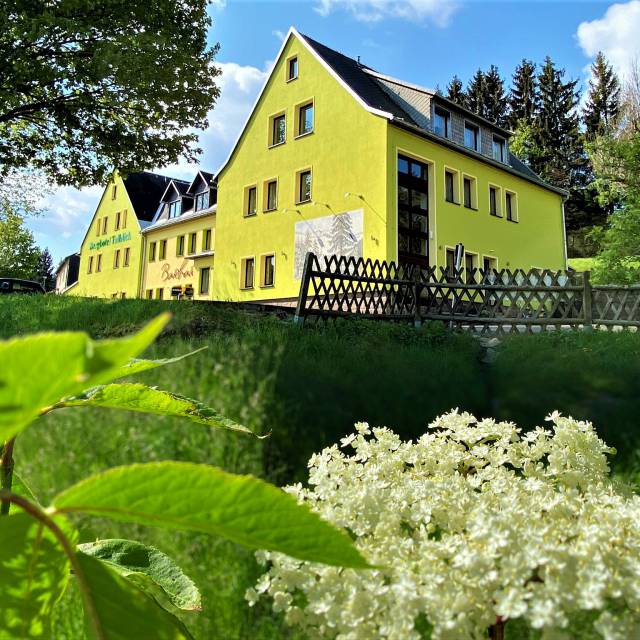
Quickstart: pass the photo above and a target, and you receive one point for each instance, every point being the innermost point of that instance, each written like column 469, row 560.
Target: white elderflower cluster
column 473, row 524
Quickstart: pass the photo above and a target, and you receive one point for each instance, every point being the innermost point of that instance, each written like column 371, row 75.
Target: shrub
column 473, row 527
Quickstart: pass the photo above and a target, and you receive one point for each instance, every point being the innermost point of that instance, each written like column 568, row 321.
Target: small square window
column 247, row 275
column 162, row 250
column 499, row 149
column 511, row 206
column 268, row 270
column 292, row 68
column 471, row 136
column 469, row 192
column 494, row 202
column 152, row 252
column 303, row 192
column 305, row 119
column 192, row 242
column 204, row 280
column 250, row 201
column 271, row 196
column 442, row 122
column 180, row 246
column 278, row 130
column 206, row 240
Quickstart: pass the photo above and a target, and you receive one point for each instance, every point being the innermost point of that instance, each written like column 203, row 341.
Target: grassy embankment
column 308, row 387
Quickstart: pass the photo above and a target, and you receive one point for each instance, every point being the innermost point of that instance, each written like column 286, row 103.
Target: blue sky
column 422, row 41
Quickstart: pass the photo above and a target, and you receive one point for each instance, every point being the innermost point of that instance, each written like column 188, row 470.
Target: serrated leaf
column 121, row 611
column 34, row 572
column 138, row 365
column 131, row 559
column 139, row 397
column 42, row 369
column 194, row 497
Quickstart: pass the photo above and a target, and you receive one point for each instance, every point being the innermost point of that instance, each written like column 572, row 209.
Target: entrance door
column 413, row 212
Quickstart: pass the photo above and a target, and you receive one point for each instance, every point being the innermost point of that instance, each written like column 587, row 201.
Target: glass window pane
column 419, row 223
column 403, row 195
column 403, row 165
column 403, row 219
column 306, row 119
column 419, row 246
column 403, row 243
column 419, row 199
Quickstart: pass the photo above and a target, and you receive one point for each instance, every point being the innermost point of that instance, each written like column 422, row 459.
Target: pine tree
column 523, row 97
column 44, row 271
column 477, row 93
column 343, row 240
column 495, row 106
column 603, row 104
column 455, row 92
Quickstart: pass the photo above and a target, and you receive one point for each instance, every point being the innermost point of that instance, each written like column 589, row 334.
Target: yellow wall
column 346, row 152
column 176, row 270
column 109, row 281
column 536, row 240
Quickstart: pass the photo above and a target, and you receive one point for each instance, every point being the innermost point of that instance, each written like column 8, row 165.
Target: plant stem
column 43, row 517
column 6, row 473
column 496, row 631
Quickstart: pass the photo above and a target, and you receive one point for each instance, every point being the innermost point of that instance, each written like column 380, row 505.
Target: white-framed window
column 471, row 136
column 499, row 149
column 277, row 129
column 250, row 201
column 202, row 200
column 442, row 122
column 451, row 185
column 470, row 267
column 511, row 206
column 175, row 208
column 304, row 118
column 303, row 186
column 292, row 68
column 495, row 201
column 267, row 270
column 247, row 272
column 469, row 192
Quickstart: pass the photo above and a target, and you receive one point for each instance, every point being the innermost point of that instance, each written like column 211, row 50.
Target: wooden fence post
column 417, row 292
column 587, row 299
column 301, row 307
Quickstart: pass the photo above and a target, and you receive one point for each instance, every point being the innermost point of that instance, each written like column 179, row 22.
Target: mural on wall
column 337, row 234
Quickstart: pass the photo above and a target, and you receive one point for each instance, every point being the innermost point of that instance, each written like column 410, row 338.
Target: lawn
column 307, row 387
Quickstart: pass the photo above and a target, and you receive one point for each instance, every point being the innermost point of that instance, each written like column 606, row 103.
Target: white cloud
column 281, row 35
column 69, row 211
column 438, row 12
column 616, row 34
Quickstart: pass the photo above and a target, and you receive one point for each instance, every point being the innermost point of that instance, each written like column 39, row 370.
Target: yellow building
column 337, row 158
column 179, row 243
column 111, row 252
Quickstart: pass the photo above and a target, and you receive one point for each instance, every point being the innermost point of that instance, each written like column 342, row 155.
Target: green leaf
column 139, row 365
column 193, row 497
column 39, row 370
column 34, row 572
column 139, row 397
column 119, row 610
column 21, row 488
column 151, row 570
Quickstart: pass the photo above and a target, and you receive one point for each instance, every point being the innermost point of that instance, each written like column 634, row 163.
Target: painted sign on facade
column 168, row 273
column 116, row 238
column 340, row 234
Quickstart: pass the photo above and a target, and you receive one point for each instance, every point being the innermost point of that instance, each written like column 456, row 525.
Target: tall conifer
column 603, row 102
column 477, row 93
column 495, row 107
column 523, row 97
column 455, row 92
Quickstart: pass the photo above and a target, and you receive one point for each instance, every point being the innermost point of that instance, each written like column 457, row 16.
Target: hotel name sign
column 116, row 238
column 168, row 273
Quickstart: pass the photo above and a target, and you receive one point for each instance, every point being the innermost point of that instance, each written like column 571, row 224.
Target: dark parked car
column 15, row 285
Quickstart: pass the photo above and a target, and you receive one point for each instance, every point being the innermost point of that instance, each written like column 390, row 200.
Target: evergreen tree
column 523, row 97
column 44, row 271
column 603, row 104
column 455, row 92
column 495, row 106
column 477, row 93
column 343, row 240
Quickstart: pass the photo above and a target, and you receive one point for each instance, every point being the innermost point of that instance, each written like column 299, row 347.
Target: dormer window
column 175, row 208
column 442, row 122
column 292, row 68
column 499, row 149
column 202, row 200
column 471, row 136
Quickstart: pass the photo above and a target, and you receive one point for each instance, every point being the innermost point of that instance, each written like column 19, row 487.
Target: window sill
column 250, row 215
column 291, row 79
column 277, row 144
column 299, row 202
column 269, row 210
column 267, row 286
column 452, row 202
column 303, row 135
column 246, row 288
column 471, row 208
column 495, row 215
column 511, row 220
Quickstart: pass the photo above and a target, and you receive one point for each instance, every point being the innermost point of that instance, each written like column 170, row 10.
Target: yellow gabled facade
column 503, row 215
column 110, row 255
